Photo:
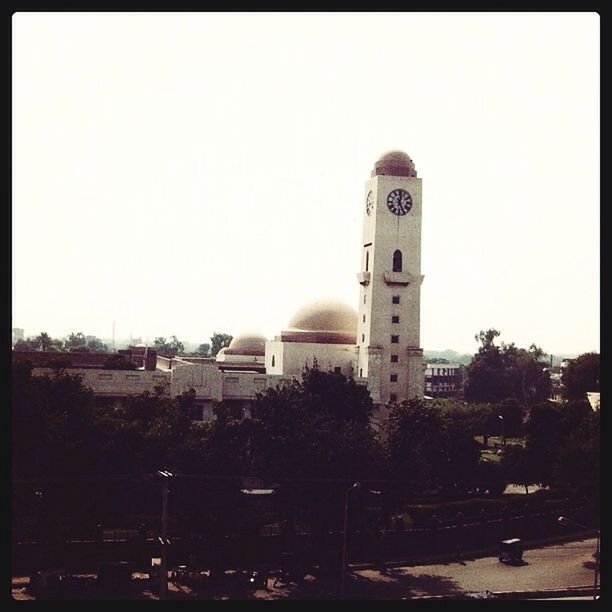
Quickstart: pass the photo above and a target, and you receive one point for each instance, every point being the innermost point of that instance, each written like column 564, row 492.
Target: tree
column 500, row 372
column 219, row 341
column 559, row 434
column 429, row 447
column 518, row 466
column 176, row 346
column 43, row 340
column 581, row 375
column 117, row 361
column 76, row 341
column 95, row 345
column 168, row 349
column 203, row 350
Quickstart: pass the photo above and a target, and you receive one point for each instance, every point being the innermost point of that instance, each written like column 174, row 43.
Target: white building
column 378, row 343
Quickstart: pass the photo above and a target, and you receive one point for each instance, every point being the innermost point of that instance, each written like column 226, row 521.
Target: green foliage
column 168, row 349
column 203, row 350
column 316, row 427
column 429, row 446
column 582, row 374
column 118, row 362
column 562, row 444
column 497, row 373
column 219, row 341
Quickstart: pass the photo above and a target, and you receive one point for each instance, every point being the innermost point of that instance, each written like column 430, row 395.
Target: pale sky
column 184, row 173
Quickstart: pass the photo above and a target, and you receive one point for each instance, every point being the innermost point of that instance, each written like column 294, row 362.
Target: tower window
column 272, row 360
column 364, row 298
column 394, row 358
column 360, row 372
column 393, row 397
column 367, row 260
column 395, row 319
column 393, row 378
column 395, row 299
column 397, row 261
column 364, row 318
column 394, row 339
column 363, row 337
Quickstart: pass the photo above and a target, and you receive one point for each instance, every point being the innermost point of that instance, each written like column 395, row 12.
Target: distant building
column 594, row 399
column 444, row 379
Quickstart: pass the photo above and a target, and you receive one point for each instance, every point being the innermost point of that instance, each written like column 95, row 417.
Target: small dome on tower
column 394, row 163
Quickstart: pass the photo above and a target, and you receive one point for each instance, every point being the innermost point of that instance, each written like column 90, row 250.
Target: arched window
column 272, row 360
column 397, row 261
column 367, row 260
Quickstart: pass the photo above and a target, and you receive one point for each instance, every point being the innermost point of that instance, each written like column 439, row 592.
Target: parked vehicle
column 511, row 551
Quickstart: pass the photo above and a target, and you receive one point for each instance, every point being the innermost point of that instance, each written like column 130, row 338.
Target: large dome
column 325, row 321
column 394, row 163
column 247, row 344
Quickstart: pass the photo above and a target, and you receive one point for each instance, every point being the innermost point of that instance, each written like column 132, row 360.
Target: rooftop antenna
column 113, row 335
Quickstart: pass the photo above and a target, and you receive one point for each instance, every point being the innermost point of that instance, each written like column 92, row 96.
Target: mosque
column 377, row 343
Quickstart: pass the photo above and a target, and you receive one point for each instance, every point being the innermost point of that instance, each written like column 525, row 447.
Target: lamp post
column 163, row 584
column 501, row 418
column 563, row 520
column 355, row 485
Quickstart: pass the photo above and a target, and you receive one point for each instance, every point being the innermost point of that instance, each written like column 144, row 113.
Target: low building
column 444, row 379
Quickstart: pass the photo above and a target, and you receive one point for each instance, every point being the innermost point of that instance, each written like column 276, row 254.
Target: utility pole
column 346, row 502
column 163, row 584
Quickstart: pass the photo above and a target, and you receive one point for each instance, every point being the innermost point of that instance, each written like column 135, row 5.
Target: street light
column 563, row 520
column 499, row 416
column 163, row 584
column 355, row 486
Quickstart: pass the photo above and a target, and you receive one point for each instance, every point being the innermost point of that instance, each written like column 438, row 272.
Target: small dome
column 325, row 315
column 394, row 163
column 247, row 344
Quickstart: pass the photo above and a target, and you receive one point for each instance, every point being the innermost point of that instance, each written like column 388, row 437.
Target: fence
column 236, row 551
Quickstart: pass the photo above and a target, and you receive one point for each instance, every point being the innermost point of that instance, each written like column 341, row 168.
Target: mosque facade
column 377, row 343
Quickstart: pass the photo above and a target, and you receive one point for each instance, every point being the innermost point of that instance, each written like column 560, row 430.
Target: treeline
column 312, row 435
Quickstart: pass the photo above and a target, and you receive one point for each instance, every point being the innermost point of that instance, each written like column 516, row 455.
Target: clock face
column 370, row 203
column 399, row 201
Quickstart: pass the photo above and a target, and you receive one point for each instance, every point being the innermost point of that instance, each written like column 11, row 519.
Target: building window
column 393, row 397
column 360, row 372
column 338, row 370
column 397, row 261
column 395, row 299
column 394, row 358
column 393, row 378
column 364, row 298
column 363, row 337
column 394, row 339
column 367, row 260
column 272, row 360
column 364, row 318
column 395, row 319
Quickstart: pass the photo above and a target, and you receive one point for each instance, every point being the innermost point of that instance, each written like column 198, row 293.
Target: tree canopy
column 497, row 373
column 581, row 375
column 219, row 341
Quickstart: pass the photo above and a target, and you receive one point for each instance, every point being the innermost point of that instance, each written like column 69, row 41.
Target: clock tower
column 388, row 328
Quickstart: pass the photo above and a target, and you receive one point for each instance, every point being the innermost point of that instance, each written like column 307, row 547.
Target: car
column 511, row 551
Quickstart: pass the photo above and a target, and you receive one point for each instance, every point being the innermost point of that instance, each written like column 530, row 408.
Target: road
column 552, row 567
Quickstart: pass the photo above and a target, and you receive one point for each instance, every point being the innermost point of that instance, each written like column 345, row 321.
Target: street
column 552, row 567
